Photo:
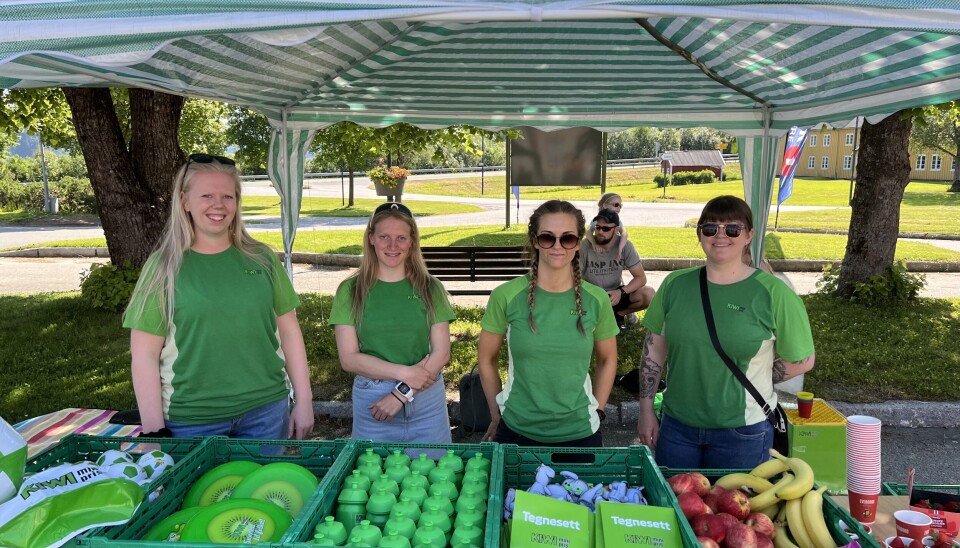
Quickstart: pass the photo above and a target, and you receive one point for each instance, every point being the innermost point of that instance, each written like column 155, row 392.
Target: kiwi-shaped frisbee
column 217, row 484
column 171, row 525
column 237, row 521
column 285, row 484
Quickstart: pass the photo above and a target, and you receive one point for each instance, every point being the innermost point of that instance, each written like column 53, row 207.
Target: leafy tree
column 250, row 133
column 701, row 138
column 203, row 127
column 347, row 146
column 38, row 111
column 938, row 127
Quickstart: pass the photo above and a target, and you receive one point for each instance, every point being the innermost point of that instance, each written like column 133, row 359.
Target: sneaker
column 632, row 319
column 621, row 322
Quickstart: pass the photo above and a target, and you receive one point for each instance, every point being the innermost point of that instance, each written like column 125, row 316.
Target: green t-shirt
column 394, row 326
column 756, row 318
column 549, row 395
column 222, row 355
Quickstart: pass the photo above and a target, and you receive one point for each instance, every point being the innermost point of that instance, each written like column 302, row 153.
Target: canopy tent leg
column 758, row 164
column 285, row 167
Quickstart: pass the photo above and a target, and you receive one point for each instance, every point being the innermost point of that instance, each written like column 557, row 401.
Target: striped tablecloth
column 43, row 431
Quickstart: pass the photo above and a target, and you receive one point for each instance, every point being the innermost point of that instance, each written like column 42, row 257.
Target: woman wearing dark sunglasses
column 215, row 341
column 553, row 323
column 709, row 418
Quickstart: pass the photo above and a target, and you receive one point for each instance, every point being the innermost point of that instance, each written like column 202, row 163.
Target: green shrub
column 32, row 198
column 685, row 178
column 109, row 287
column 11, row 194
column 896, row 286
column 75, row 194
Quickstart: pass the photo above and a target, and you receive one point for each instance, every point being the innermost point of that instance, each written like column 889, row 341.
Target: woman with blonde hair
column 553, row 323
column 392, row 323
column 215, row 341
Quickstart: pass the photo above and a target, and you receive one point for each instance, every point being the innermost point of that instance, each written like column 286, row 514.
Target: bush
column 109, row 287
column 11, row 194
column 32, row 198
column 686, row 178
column 896, row 286
column 76, row 195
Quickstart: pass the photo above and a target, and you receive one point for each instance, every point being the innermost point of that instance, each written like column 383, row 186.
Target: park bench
column 476, row 264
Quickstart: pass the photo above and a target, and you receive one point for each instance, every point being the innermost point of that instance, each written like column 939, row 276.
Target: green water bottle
column 367, row 533
column 368, row 456
column 384, row 482
column 478, row 462
column 423, row 465
column 415, row 478
column 444, row 488
column 429, row 534
column 438, row 503
column 397, row 457
column 403, row 525
column 442, row 473
column 471, row 499
column 371, row 470
column 362, row 481
column 469, row 514
column 333, row 530
column 320, row 539
column 407, row 507
column 394, row 540
column 467, row 534
column 378, row 507
column 440, row 520
column 357, row 542
column 476, row 476
column 397, row 472
column 453, row 462
column 351, row 507
column 416, row 494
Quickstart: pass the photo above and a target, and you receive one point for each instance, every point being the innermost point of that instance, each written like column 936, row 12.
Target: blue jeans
column 682, row 446
column 268, row 422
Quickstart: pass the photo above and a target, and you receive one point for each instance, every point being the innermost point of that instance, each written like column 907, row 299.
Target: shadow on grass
column 773, row 247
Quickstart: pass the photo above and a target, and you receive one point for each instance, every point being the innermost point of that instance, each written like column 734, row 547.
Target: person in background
column 601, row 265
column 215, row 342
column 392, row 323
column 553, row 323
column 613, row 202
column 709, row 419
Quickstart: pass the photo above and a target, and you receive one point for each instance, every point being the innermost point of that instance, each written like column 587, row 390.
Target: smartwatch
column 405, row 390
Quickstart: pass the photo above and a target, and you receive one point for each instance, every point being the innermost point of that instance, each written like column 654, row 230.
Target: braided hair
column 533, row 229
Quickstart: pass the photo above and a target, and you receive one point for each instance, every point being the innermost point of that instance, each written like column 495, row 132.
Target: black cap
column 608, row 215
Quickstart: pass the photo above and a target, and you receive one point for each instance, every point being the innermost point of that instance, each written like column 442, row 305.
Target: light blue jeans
column 269, row 422
column 424, row 420
column 682, row 446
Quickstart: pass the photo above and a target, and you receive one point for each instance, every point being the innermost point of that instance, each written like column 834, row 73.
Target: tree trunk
column 883, row 172
column 350, row 191
column 955, row 187
column 132, row 188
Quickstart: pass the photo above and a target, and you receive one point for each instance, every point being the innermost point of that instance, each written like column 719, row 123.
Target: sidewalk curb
column 653, row 264
column 903, row 414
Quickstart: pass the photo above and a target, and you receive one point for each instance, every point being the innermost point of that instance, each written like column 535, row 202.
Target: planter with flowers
column 388, row 181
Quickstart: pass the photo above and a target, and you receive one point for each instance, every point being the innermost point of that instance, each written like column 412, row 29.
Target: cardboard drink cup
column 912, row 524
column 863, row 507
column 805, row 404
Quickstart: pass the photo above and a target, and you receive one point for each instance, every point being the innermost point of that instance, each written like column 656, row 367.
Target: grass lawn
column 653, row 242
column 331, row 207
column 58, row 352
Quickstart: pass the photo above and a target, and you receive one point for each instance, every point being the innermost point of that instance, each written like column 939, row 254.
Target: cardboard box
column 821, row 441
column 623, row 525
column 547, row 522
column 943, row 519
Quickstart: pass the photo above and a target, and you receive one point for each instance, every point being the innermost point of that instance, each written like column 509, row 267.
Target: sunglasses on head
column 605, row 228
column 394, row 206
column 210, row 158
column 567, row 241
column 711, row 229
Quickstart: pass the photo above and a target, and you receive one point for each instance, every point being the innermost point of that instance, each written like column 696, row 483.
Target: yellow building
column 828, row 154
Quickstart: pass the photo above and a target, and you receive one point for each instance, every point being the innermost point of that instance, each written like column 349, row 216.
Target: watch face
column 403, row 388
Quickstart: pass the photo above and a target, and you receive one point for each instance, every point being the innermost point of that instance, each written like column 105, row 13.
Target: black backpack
column 474, row 412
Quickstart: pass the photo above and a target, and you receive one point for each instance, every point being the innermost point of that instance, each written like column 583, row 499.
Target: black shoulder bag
column 474, row 412
column 776, row 416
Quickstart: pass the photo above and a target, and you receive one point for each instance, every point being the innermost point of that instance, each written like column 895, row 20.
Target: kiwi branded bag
column 13, row 460
column 59, row 503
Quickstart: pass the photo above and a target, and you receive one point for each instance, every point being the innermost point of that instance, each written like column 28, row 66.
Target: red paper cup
column 912, row 524
column 805, row 404
column 863, row 507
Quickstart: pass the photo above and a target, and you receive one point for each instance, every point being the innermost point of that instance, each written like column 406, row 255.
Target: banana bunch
column 790, row 499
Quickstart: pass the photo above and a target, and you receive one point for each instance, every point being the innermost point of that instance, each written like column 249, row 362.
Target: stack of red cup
column 863, row 466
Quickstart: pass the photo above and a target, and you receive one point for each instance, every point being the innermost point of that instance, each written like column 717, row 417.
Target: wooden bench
column 476, row 264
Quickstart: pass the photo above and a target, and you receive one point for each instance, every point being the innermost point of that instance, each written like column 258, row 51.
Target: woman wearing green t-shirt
column 392, row 323
column 553, row 323
column 709, row 419
column 215, row 341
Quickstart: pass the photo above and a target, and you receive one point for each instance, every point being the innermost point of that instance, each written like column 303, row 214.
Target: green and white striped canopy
column 753, row 69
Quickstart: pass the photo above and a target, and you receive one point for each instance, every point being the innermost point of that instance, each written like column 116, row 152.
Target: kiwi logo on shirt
column 736, row 307
column 253, row 271
column 573, row 312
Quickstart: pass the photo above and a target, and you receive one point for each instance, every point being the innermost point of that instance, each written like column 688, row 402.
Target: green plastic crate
column 301, row 532
column 317, row 456
column 633, row 464
column 833, row 513
column 900, row 489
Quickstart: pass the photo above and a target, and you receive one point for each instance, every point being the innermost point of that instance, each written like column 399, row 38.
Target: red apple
column 691, row 505
column 701, row 482
column 727, row 520
column 710, row 526
column 711, row 501
column 734, row 503
column 707, row 542
column 716, row 490
column 897, row 542
column 764, row 542
column 740, row 536
column 682, row 483
column 762, row 524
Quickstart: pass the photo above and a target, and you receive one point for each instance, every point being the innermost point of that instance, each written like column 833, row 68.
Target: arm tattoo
column 779, row 370
column 650, row 371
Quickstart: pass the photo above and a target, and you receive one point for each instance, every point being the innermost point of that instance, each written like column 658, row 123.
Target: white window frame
column 825, row 162
column 953, row 165
column 849, row 140
column 813, row 140
column 921, row 164
column 848, row 162
column 826, row 140
column 935, row 162
column 811, row 162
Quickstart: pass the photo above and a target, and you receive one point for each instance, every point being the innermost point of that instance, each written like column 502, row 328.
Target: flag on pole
column 791, row 155
column 516, row 192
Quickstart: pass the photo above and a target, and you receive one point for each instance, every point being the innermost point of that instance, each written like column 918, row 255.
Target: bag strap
column 712, row 329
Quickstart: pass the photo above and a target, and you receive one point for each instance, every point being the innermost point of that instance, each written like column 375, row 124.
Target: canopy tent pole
column 285, row 166
column 757, row 166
